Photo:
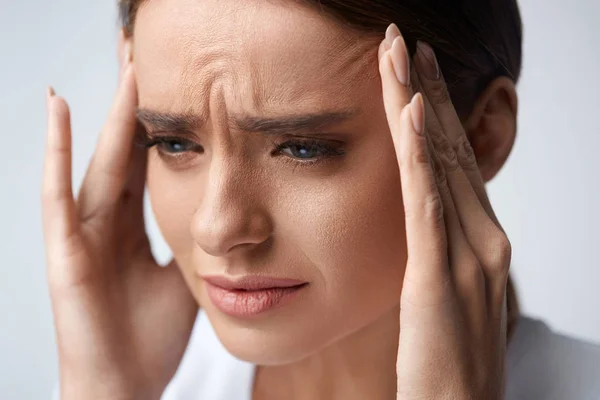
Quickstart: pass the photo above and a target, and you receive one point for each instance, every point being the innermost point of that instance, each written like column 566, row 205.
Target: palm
column 111, row 301
column 122, row 303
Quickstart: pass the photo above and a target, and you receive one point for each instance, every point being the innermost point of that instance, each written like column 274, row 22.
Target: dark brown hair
column 475, row 42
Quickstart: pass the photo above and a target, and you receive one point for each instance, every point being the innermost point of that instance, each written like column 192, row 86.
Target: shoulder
column 208, row 370
column 544, row 364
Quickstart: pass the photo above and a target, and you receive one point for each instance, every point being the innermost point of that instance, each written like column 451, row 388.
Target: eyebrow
column 281, row 125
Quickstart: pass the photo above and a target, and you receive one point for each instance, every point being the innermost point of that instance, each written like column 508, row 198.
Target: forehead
column 253, row 55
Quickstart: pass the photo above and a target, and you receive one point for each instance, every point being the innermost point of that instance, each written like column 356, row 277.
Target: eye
column 174, row 146
column 169, row 145
column 309, row 150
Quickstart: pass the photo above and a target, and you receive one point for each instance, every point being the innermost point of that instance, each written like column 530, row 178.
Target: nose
column 232, row 213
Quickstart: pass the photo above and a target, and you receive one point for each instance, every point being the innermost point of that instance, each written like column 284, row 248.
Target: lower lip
column 240, row 303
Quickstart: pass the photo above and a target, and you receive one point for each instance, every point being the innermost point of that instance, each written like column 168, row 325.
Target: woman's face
column 233, row 202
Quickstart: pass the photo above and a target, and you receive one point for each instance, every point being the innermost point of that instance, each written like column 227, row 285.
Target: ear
column 492, row 126
column 124, row 47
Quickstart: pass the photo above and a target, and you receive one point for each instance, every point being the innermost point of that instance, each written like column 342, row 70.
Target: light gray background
column 546, row 197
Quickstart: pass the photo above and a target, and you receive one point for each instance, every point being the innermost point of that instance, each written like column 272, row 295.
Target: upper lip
column 250, row 282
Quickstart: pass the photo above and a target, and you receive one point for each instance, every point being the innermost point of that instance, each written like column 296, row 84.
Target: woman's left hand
column 452, row 342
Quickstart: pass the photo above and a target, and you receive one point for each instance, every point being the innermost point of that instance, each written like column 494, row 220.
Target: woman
column 322, row 192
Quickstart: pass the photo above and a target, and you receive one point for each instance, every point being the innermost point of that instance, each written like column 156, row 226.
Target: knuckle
column 421, row 157
column 439, row 94
column 469, row 274
column 439, row 171
column 418, row 158
column 465, row 154
column 425, row 291
column 499, row 254
column 429, row 208
column 100, row 213
column 505, row 249
column 433, row 208
column 445, row 150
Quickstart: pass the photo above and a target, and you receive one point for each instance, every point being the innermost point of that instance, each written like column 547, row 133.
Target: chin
column 276, row 341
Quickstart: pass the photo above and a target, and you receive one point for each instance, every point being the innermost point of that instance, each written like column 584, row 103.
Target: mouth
column 251, row 295
column 251, row 282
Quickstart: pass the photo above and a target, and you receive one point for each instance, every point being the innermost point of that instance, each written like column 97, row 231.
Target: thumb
column 123, row 51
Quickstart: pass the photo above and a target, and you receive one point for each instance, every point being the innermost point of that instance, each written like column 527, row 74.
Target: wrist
column 104, row 389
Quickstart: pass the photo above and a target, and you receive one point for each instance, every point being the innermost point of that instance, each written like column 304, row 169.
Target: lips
column 251, row 282
column 251, row 295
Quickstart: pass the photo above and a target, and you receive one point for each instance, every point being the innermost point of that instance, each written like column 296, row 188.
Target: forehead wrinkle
column 340, row 58
column 200, row 74
column 352, row 58
column 259, row 91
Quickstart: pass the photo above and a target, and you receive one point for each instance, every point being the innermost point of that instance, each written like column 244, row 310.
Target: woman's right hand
column 122, row 322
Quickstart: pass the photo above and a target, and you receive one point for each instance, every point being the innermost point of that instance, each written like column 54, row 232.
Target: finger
column 136, row 181
column 123, row 52
column 393, row 63
column 470, row 212
column 467, row 275
column 427, row 280
column 58, row 205
column 132, row 202
column 391, row 33
column 426, row 238
column 473, row 216
column 485, row 236
column 466, row 272
column 430, row 118
column 108, row 172
column 437, row 91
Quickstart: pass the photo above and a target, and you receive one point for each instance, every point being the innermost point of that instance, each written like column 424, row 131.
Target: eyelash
column 326, row 150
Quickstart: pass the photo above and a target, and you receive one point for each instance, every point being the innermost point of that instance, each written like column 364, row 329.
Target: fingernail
column 427, row 61
column 416, row 114
column 391, row 33
column 49, row 93
column 400, row 60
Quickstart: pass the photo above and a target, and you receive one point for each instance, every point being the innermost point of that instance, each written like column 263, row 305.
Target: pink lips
column 250, row 295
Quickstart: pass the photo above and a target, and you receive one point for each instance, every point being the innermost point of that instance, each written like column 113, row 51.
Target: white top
column 540, row 365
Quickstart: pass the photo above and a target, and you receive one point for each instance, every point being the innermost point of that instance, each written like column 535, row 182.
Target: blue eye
column 303, row 151
column 308, row 150
column 174, row 146
column 168, row 145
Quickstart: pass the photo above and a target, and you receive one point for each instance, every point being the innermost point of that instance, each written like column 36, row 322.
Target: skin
column 233, row 206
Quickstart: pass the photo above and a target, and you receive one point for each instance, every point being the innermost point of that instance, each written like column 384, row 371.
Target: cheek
column 174, row 199
column 352, row 230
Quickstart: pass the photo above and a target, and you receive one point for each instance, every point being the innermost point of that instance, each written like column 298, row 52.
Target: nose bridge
column 226, row 190
column 231, row 212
